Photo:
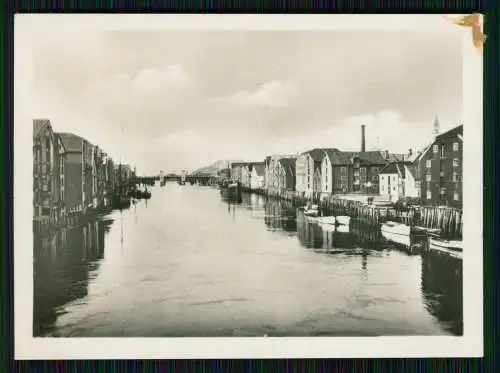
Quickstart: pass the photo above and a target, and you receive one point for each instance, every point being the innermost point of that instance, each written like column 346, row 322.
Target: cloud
column 149, row 85
column 385, row 130
column 272, row 94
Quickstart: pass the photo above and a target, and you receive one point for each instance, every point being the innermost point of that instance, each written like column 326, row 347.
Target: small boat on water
column 343, row 220
column 396, row 232
column 451, row 247
column 230, row 191
column 426, row 230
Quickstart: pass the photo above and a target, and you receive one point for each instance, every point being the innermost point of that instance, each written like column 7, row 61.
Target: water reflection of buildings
column 280, row 216
column 442, row 289
column 62, row 264
column 316, row 236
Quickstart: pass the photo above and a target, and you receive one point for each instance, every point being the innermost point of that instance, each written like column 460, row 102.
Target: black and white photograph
column 259, row 186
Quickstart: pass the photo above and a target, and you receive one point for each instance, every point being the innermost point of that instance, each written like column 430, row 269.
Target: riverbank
column 67, row 219
column 447, row 220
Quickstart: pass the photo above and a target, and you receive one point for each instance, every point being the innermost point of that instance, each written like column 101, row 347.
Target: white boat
column 343, row 220
column 454, row 248
column 327, row 220
column 396, row 232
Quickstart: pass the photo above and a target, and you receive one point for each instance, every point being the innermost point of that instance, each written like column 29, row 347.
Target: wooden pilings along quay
column 447, row 219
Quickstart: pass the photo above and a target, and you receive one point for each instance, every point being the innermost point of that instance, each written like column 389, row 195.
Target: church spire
column 436, row 126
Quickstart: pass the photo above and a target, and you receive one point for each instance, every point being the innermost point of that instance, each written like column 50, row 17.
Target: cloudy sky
column 168, row 100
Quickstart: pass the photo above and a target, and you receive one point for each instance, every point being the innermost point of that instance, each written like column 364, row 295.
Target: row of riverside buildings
column 71, row 175
column 431, row 175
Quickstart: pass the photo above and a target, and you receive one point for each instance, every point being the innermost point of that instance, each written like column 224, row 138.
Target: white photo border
column 28, row 347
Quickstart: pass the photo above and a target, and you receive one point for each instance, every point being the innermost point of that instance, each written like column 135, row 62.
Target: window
column 456, row 146
column 356, row 165
column 435, row 148
column 343, row 177
column 343, row 169
column 375, row 169
column 456, row 177
column 441, row 174
column 442, row 151
column 456, row 162
column 456, row 197
column 393, row 188
column 428, row 163
column 375, row 177
column 429, row 194
column 362, row 169
column 442, row 191
column 428, row 177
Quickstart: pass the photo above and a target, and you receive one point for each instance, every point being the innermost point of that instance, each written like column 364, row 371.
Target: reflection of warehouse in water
column 313, row 235
column 63, row 263
column 280, row 215
column 442, row 289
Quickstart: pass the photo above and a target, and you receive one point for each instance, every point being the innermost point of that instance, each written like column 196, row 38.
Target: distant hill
column 215, row 167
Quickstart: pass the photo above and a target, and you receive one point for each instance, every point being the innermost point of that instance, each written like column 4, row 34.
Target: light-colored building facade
column 257, row 176
column 397, row 180
column 236, row 171
column 246, row 174
column 309, row 172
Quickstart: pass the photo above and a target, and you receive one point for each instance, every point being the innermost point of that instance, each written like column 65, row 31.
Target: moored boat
column 343, row 220
column 426, row 230
column 451, row 247
column 327, row 220
column 396, row 232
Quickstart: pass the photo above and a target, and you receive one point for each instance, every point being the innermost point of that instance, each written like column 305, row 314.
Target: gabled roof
column 317, row 154
column 338, row 157
column 421, row 153
column 288, row 165
column 72, row 143
column 412, row 168
column 39, row 125
column 259, row 169
column 371, row 157
column 454, row 132
column 394, row 168
column 399, row 167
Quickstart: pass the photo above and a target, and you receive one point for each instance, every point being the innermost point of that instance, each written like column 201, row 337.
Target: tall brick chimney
column 363, row 138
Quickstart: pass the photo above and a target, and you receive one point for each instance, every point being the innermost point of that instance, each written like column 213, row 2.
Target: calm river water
column 186, row 263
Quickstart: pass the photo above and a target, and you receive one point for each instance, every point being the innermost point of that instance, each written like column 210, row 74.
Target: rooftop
column 71, row 142
column 39, row 125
